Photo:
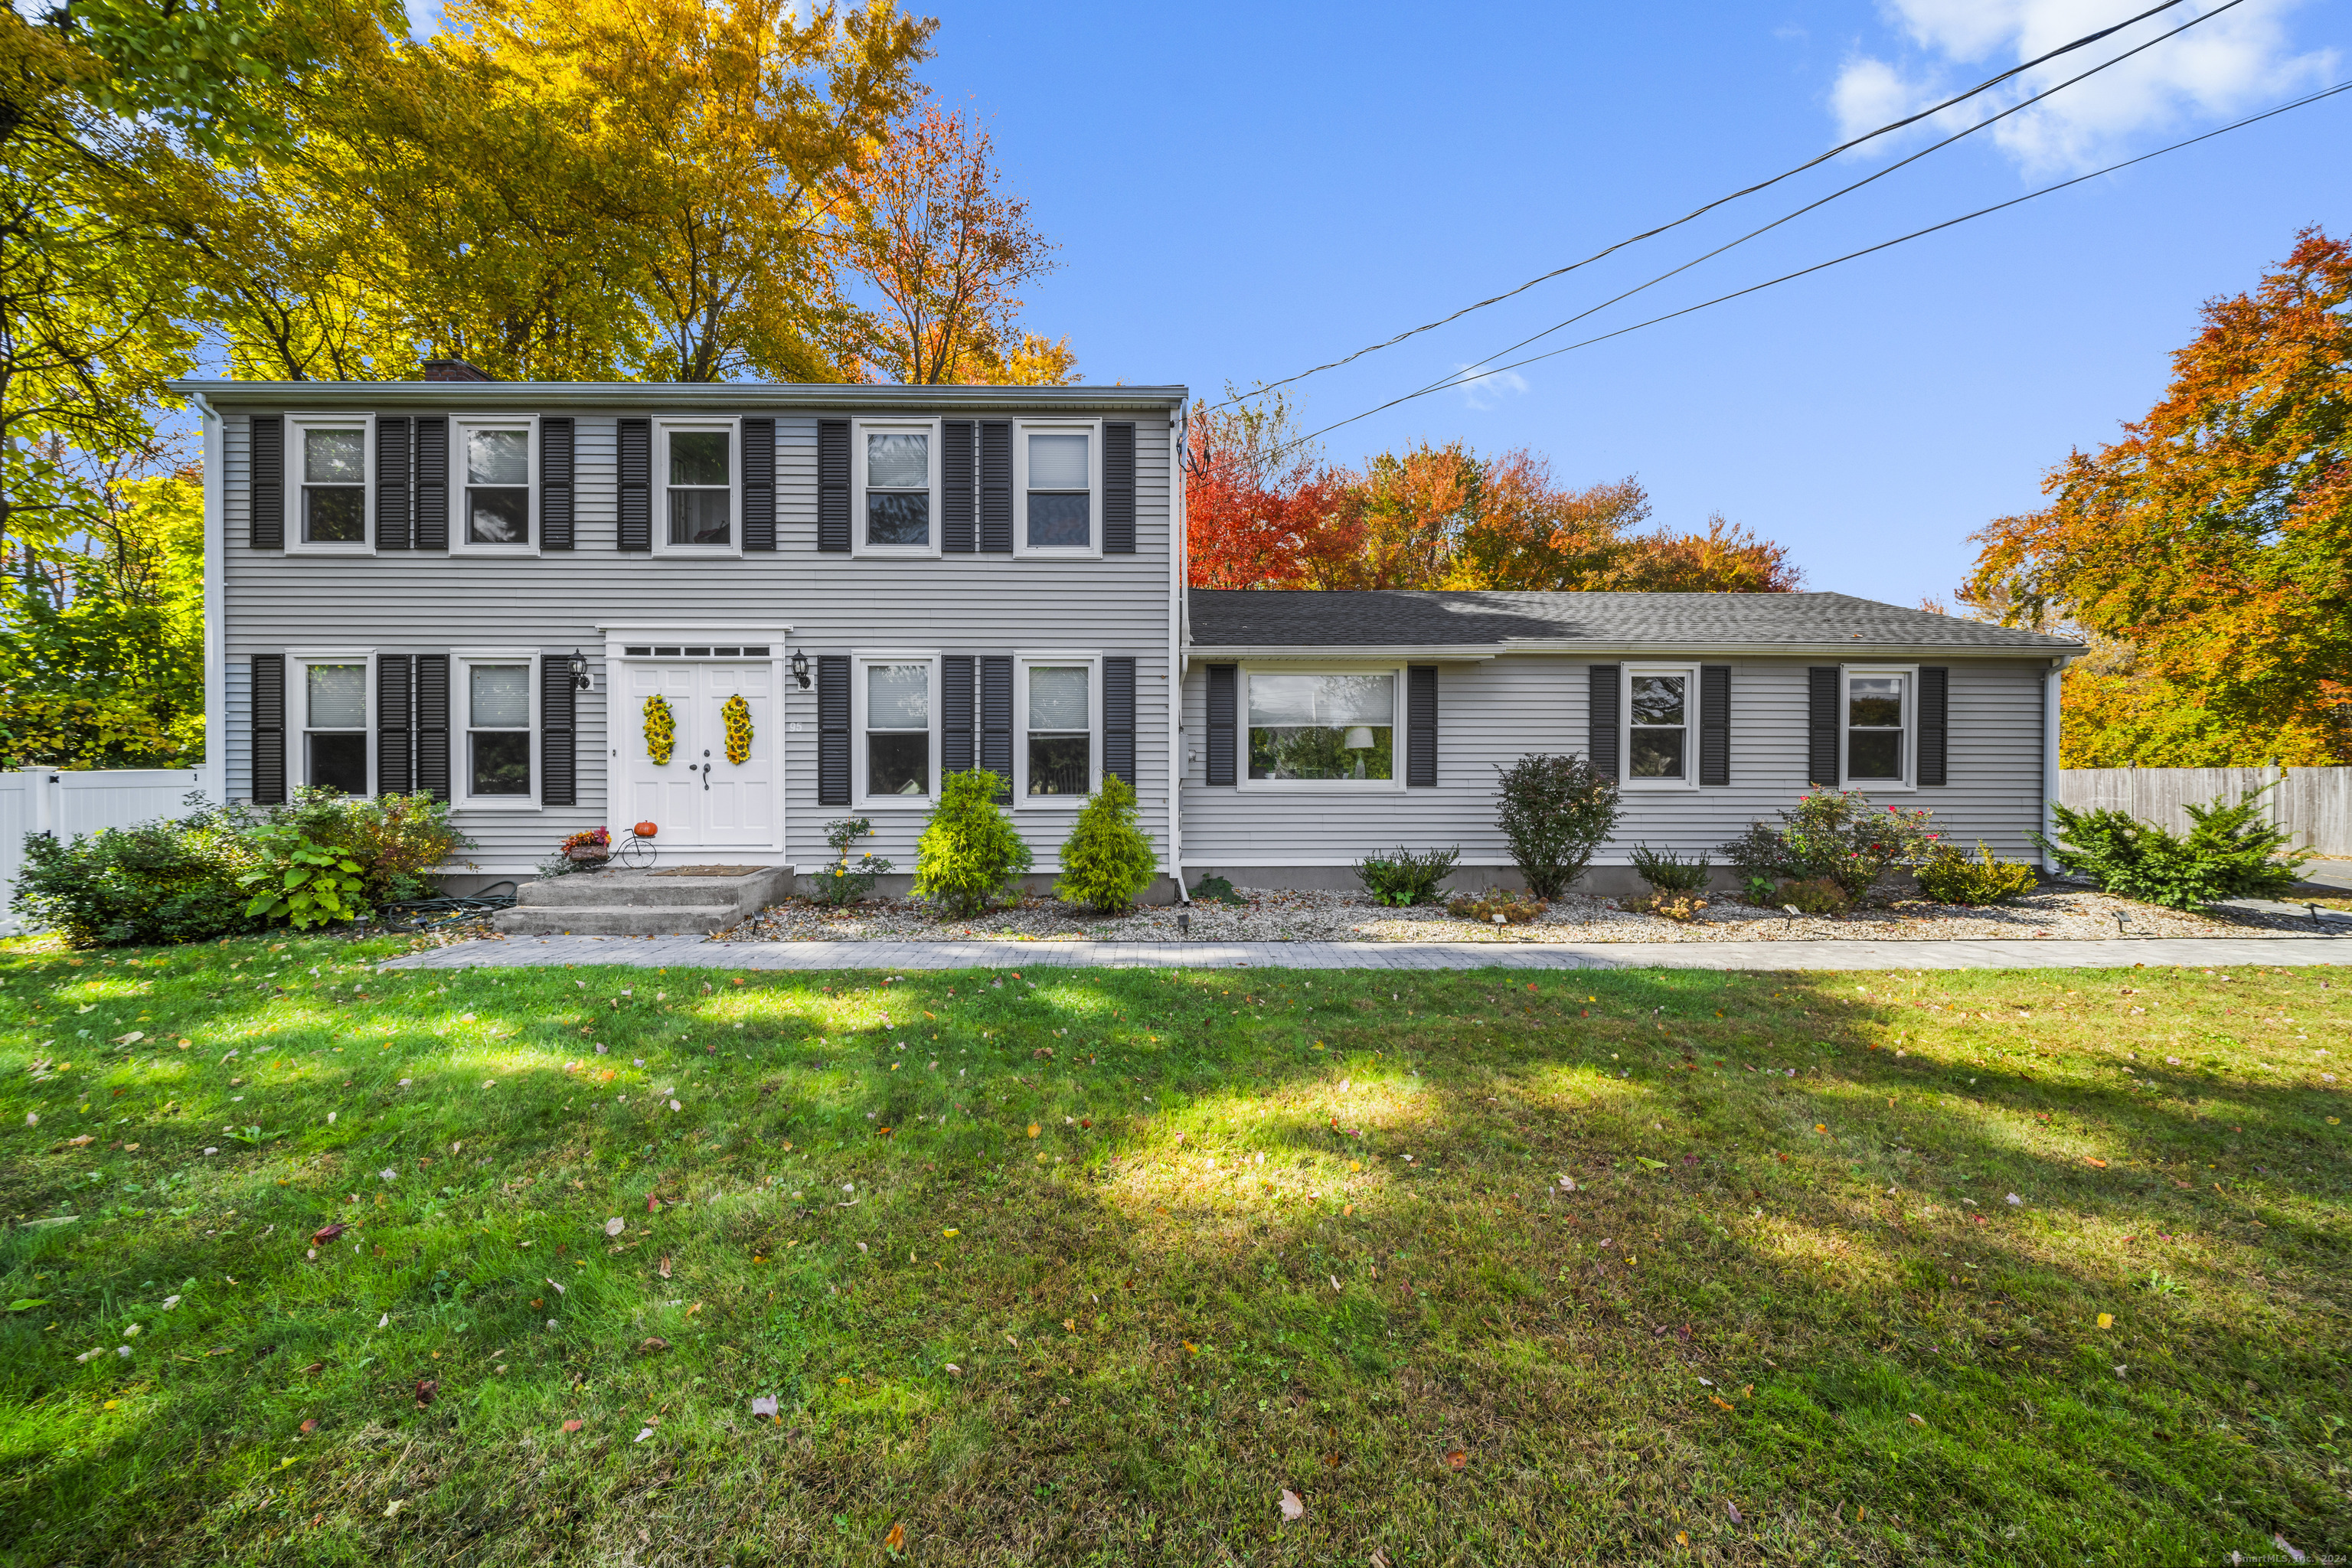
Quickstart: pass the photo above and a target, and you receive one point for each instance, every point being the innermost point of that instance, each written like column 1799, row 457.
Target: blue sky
column 1241, row 191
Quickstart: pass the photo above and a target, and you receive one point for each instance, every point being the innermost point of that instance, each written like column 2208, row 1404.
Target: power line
column 1846, row 190
column 1807, row 271
column 2083, row 42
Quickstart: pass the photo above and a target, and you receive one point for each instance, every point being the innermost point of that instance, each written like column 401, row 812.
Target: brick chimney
column 453, row 370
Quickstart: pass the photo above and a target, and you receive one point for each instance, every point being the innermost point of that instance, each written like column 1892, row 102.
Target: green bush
column 1815, row 896
column 970, row 852
column 2228, row 852
column 167, row 881
column 399, row 840
column 1836, row 835
column 843, row 883
column 302, row 881
column 1109, row 858
column 1217, row 890
column 1405, row 879
column 1667, row 872
column 1555, row 811
column 1952, row 878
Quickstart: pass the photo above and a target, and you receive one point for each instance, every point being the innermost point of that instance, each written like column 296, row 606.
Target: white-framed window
column 492, row 462
column 329, row 502
column 1057, row 487
column 1323, row 728
column 336, row 698
column 896, row 722
column 1058, row 703
column 497, row 709
column 698, row 466
column 894, row 487
column 1660, row 726
column 1877, row 710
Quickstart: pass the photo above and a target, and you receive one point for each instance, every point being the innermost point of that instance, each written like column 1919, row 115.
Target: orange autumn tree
column 1263, row 511
column 2208, row 552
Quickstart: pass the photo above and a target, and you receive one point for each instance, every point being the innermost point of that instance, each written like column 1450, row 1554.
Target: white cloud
column 2240, row 59
column 1488, row 390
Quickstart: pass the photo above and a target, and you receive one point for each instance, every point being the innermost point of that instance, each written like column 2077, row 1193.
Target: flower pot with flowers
column 587, row 851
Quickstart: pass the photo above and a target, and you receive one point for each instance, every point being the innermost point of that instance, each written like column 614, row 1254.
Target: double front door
column 699, row 797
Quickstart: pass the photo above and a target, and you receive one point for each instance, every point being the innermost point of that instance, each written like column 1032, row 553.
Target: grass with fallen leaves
column 309, row 1263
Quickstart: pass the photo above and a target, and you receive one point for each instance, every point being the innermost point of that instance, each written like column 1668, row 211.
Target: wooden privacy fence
column 2314, row 804
column 65, row 803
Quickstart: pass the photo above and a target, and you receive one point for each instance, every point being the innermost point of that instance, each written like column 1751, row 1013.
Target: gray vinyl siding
column 1491, row 713
column 429, row 602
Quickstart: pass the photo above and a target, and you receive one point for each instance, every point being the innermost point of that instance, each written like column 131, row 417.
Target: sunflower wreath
column 661, row 730
column 737, row 714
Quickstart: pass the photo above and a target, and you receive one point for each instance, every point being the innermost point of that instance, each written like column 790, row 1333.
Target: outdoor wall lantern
column 800, row 668
column 579, row 666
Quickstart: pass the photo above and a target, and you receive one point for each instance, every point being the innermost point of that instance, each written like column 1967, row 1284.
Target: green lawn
column 1089, row 1268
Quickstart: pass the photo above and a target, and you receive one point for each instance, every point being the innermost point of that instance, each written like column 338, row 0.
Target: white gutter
column 214, row 769
column 653, row 397
column 1597, row 648
column 1179, row 569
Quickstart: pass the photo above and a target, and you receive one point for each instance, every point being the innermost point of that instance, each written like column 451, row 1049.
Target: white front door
column 699, row 797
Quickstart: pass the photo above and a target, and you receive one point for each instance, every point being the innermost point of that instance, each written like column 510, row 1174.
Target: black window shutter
column 559, row 763
column 433, row 724
column 635, row 457
column 1713, row 724
column 558, row 438
column 432, row 514
column 1821, row 682
column 1935, row 705
column 996, row 485
column 959, row 735
column 393, row 466
column 269, row 729
column 833, row 729
column 265, row 489
column 759, row 484
column 959, row 523
column 395, row 769
column 996, row 720
column 1119, row 719
column 833, row 488
column 1420, row 726
column 1119, row 488
column 1221, row 685
column 1600, row 719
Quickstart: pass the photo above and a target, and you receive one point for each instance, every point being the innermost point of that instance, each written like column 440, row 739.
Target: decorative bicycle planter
column 635, row 848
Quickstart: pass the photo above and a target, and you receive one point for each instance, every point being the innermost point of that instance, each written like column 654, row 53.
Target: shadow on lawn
column 1242, row 1325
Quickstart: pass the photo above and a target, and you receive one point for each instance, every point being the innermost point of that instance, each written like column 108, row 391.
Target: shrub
column 970, row 854
column 397, row 839
column 843, row 883
column 1404, row 879
column 1667, row 872
column 1675, row 904
column 1834, row 835
column 1495, row 907
column 302, row 881
column 1555, row 811
column 167, row 881
column 1952, row 878
column 1816, row 896
column 2228, row 854
column 1216, row 890
column 1109, row 858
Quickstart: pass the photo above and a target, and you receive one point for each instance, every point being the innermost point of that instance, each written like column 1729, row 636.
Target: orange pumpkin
column 646, row 830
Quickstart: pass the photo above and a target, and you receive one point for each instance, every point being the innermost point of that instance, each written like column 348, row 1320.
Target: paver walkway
column 694, row 952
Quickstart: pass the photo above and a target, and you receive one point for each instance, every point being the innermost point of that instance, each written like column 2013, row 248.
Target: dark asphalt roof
column 1397, row 617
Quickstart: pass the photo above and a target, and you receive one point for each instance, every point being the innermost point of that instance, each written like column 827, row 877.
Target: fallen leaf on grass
column 895, row 1542
column 1379, row 1559
column 1711, row 1399
column 133, row 1038
column 327, row 1233
column 1456, row 1457
column 426, row 1388
column 653, row 1343
column 2106, row 1320
column 2087, row 1160
column 765, row 1405
column 1915, row 1418
column 395, row 1506
column 615, row 1226
column 1733, row 1509
column 665, row 1267
column 1292, row 1508
column 314, row 1366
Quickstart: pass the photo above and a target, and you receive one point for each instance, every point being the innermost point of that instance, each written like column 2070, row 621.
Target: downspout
column 1179, row 569
column 2050, row 770
column 215, row 768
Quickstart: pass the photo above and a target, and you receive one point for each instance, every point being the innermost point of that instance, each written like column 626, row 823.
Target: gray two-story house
column 550, row 603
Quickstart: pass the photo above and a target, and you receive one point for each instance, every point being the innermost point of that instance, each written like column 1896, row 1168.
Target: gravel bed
column 1273, row 914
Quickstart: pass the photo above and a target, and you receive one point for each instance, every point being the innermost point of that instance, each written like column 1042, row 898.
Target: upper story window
column 1878, row 716
column 1337, row 728
column 494, row 473
column 898, row 489
column 335, row 724
column 328, row 493
column 1059, row 721
column 697, row 471
column 1055, row 478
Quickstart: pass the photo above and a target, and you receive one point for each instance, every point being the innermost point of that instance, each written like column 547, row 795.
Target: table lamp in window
column 1357, row 739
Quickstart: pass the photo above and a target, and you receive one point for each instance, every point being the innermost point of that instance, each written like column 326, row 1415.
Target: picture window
column 1323, row 728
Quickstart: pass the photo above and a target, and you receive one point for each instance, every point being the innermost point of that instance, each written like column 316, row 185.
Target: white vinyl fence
column 2314, row 804
column 56, row 801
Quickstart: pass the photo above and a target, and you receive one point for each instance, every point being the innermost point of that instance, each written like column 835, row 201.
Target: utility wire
column 2084, row 41
column 1807, row 271
column 1810, row 206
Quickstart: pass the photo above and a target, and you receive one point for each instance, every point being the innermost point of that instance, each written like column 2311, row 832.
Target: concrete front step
column 641, row 903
